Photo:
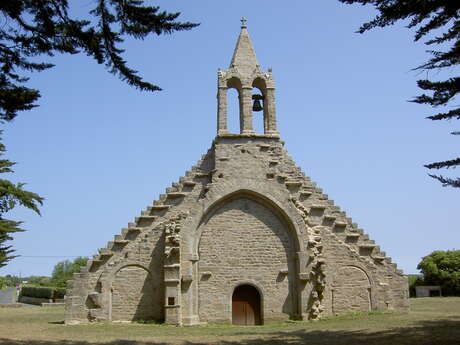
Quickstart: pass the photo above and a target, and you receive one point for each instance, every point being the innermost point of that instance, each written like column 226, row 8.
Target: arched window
column 234, row 105
column 260, row 117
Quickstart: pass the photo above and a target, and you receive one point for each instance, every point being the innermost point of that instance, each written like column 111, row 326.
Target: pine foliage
column 439, row 22
column 31, row 29
column 12, row 195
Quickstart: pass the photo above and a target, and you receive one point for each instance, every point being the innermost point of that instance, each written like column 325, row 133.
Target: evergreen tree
column 12, row 195
column 439, row 22
column 33, row 28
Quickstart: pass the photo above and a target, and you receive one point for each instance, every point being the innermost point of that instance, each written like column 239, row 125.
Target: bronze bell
column 257, row 106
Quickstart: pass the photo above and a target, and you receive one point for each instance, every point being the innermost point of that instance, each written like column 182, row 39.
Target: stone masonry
column 244, row 216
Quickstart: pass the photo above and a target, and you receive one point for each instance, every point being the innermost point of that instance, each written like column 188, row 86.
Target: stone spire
column 244, row 57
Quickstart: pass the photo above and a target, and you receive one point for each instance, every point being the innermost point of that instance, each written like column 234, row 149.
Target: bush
column 59, row 293
column 414, row 280
column 38, row 292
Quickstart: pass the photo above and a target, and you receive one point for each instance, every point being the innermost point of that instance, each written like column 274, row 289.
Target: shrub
column 414, row 280
column 59, row 293
column 37, row 292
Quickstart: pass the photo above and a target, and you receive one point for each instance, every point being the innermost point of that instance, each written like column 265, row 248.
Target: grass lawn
column 431, row 321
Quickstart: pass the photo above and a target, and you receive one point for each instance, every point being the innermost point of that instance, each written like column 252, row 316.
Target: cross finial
column 243, row 22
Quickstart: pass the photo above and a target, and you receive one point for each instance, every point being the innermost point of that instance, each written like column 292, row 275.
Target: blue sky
column 100, row 151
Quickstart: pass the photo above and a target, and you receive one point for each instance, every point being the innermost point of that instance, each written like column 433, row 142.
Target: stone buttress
column 244, row 216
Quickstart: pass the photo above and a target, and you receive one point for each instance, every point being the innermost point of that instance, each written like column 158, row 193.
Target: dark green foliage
column 59, row 293
column 439, row 20
column 37, row 291
column 12, row 195
column 442, row 268
column 32, row 28
column 64, row 270
column 48, row 292
column 414, row 280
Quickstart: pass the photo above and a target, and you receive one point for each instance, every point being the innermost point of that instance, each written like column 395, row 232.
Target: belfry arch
column 234, row 83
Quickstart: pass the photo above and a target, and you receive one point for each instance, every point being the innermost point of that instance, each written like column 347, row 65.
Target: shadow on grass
column 439, row 332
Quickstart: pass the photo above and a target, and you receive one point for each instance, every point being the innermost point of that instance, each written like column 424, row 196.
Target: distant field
column 431, row 321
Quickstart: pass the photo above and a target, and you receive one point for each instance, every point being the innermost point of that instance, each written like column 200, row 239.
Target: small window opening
column 171, row 301
column 257, row 111
column 259, row 90
column 233, row 111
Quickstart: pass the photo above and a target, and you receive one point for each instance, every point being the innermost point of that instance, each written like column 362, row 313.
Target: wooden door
column 246, row 306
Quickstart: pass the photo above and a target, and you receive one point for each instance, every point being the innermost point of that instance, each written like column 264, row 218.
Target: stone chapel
column 244, row 237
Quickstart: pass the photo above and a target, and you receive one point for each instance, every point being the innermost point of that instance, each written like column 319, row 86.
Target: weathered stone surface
column 245, row 214
column 260, row 243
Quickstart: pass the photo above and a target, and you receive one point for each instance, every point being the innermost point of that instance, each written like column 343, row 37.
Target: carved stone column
column 246, row 110
column 222, row 111
column 271, row 112
column 172, row 272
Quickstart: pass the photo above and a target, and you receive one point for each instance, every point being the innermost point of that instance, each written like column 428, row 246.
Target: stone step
column 293, row 183
column 105, row 252
column 203, row 174
column 119, row 240
column 158, row 207
column 96, row 259
column 339, row 226
column 353, row 235
column 125, row 231
column 171, row 190
column 318, row 207
column 367, row 246
column 379, row 258
column 175, row 195
column 145, row 220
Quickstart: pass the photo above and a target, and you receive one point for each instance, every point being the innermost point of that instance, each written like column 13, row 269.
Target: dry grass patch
column 431, row 321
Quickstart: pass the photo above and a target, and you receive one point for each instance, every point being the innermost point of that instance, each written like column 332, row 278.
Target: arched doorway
column 246, row 306
column 351, row 291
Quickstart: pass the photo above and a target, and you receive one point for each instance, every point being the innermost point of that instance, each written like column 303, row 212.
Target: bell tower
column 245, row 75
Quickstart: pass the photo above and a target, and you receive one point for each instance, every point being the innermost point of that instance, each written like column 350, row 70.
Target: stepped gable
column 243, row 237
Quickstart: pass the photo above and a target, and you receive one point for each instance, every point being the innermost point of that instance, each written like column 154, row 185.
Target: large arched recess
column 242, row 236
column 135, row 292
column 267, row 201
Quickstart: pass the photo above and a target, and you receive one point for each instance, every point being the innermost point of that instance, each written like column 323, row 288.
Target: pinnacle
column 244, row 57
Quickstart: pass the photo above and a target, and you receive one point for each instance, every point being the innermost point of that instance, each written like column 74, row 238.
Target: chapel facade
column 244, row 237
